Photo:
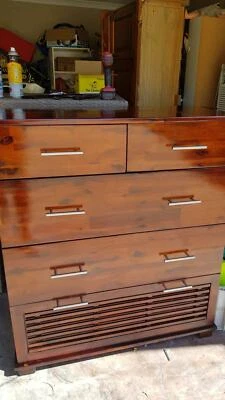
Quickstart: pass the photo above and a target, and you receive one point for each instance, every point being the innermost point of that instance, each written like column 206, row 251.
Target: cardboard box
column 65, row 63
column 86, row 67
column 76, row 37
column 60, row 34
column 89, row 83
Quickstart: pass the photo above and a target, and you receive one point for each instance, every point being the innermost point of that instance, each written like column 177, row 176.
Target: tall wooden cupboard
column 146, row 39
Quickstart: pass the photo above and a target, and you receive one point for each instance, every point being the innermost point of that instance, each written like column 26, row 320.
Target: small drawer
column 34, row 211
column 40, row 151
column 176, row 145
column 37, row 273
column 97, row 324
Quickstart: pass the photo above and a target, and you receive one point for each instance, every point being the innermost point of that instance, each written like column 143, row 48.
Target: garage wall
column 31, row 20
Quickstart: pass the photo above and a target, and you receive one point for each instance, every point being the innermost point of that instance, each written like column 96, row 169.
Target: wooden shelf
column 65, row 72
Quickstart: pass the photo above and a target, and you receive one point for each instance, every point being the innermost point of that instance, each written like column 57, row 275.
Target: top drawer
column 41, row 151
column 176, row 145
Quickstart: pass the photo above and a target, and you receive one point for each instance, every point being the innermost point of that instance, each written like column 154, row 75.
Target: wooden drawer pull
column 182, row 201
column 184, row 148
column 187, row 257
column 61, row 152
column 61, row 308
column 64, row 211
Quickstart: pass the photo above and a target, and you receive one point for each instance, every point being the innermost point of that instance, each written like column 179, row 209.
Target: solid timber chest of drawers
column 112, row 232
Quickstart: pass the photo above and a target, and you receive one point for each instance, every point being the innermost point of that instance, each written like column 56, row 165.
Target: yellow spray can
column 15, row 77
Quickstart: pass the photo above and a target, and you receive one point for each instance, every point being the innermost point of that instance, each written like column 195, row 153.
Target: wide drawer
column 176, row 145
column 37, row 273
column 50, row 210
column 42, row 151
column 96, row 323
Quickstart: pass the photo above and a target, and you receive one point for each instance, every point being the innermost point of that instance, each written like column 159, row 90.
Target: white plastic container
column 16, row 90
column 220, row 310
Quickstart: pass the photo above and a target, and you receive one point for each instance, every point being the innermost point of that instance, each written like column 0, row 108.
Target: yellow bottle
column 15, row 77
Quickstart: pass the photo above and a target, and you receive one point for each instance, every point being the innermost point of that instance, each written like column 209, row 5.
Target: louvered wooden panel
column 52, row 329
column 113, row 320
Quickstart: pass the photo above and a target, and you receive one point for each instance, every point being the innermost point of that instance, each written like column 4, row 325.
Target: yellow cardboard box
column 89, row 83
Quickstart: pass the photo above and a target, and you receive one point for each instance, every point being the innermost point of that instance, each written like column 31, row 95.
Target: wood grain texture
column 108, row 205
column 75, row 299
column 23, row 150
column 159, row 53
column 150, row 146
column 53, row 343
column 132, row 115
column 110, row 263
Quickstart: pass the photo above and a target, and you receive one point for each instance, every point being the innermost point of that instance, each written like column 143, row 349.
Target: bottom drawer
column 103, row 321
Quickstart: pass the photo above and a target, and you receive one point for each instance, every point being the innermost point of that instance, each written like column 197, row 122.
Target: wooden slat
column 57, row 325
column 40, row 347
column 49, row 330
column 96, row 327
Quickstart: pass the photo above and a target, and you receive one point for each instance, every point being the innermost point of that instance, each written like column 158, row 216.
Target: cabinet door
column 160, row 25
column 119, row 33
column 106, row 23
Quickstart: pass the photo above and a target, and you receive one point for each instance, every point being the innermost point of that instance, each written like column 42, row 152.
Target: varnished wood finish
column 61, row 150
column 160, row 35
column 95, row 265
column 59, row 117
column 115, row 204
column 150, row 146
column 77, row 332
column 121, row 286
column 24, row 368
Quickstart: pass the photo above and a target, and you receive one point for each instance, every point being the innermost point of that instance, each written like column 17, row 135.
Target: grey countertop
column 64, row 103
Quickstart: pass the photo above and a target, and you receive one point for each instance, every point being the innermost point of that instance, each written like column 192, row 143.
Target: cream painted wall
column 31, row 20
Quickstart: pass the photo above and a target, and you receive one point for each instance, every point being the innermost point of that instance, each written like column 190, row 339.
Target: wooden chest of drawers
column 112, row 233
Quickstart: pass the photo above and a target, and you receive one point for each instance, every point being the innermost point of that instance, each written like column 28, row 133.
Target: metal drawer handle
column 168, row 260
column 63, row 152
column 180, row 289
column 61, row 308
column 182, row 201
column 172, row 260
column 55, row 211
column 183, row 148
column 69, row 275
column 65, row 213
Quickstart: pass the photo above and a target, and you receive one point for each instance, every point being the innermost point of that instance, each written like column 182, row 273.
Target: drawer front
column 50, row 210
column 61, row 150
column 95, row 265
column 176, row 145
column 111, row 319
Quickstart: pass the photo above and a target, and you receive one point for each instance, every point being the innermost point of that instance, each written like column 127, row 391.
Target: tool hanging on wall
column 108, row 93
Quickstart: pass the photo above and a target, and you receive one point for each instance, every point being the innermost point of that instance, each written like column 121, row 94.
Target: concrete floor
column 184, row 369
